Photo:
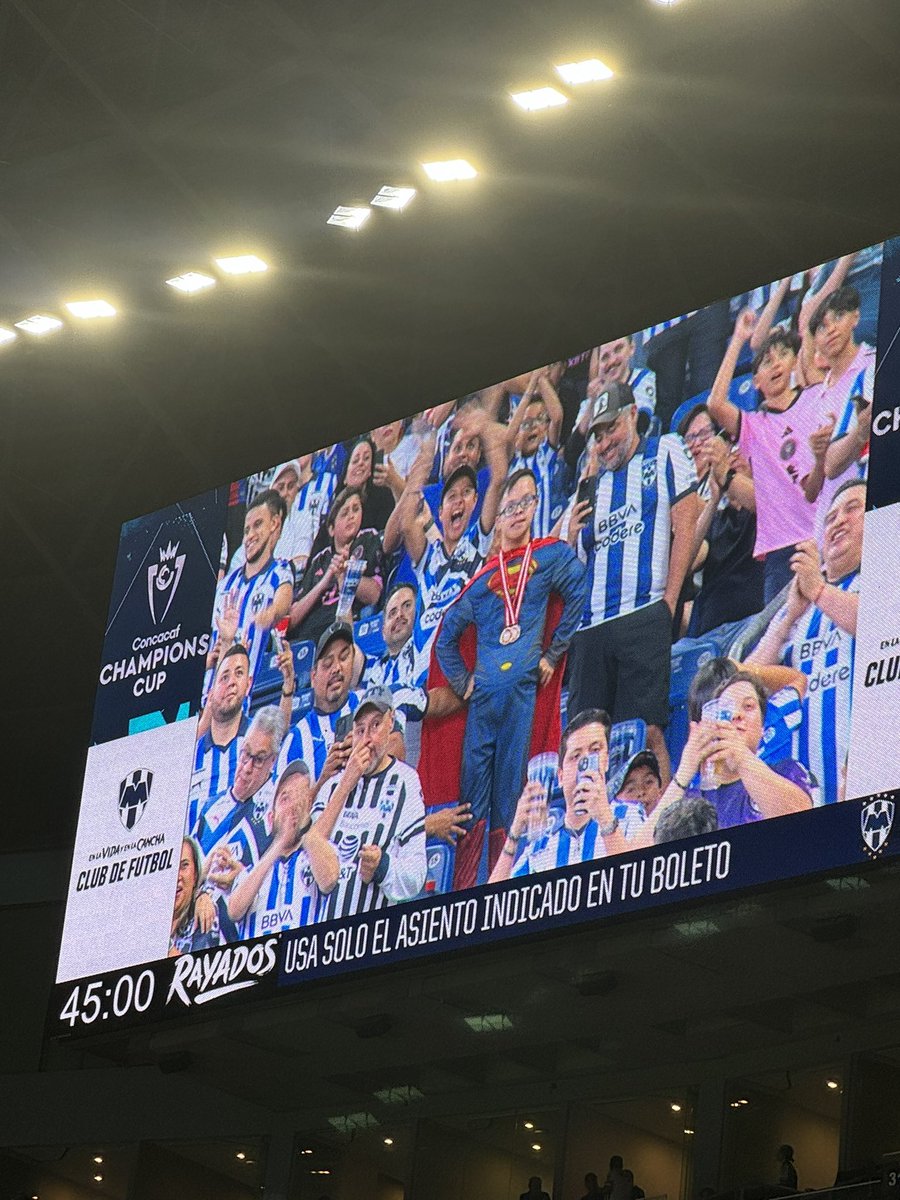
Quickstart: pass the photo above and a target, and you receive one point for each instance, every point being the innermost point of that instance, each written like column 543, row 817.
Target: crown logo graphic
column 168, row 554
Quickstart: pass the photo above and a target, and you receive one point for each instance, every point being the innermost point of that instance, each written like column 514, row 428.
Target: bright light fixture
column 454, row 168
column 88, row 309
column 98, row 1178
column 39, row 324
column 191, row 281
column 98, row 1159
column 241, row 1155
column 535, row 1145
column 6, row 335
column 539, row 98
column 350, row 217
column 393, row 197
column 489, row 1023
column 588, row 71
column 832, row 1084
column 389, row 1141
column 675, row 1107
column 528, row 1124
column 242, row 264
column 689, row 1132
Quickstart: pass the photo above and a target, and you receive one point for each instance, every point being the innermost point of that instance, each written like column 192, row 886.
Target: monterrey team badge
column 875, row 822
column 134, row 792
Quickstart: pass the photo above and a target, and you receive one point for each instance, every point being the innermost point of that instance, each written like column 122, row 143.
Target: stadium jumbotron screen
column 578, row 644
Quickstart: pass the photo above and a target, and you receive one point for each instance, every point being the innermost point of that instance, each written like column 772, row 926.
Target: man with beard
column 283, row 890
column 636, row 537
column 321, row 735
column 372, row 813
column 253, row 597
column 223, row 724
column 522, row 610
column 815, row 632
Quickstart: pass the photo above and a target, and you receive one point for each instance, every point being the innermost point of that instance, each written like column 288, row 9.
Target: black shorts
column 624, row 666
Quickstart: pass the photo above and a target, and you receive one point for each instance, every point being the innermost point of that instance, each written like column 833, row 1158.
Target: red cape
column 442, row 738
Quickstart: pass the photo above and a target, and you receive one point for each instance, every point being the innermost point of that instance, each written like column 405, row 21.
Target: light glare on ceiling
column 393, row 197
column 39, row 324
column 535, row 1145
column 349, row 216
column 242, row 264
column 6, row 335
column 832, row 1084
column 675, row 1107
column 191, row 281
column 454, row 168
column 88, row 309
column 539, row 98
column 589, row 70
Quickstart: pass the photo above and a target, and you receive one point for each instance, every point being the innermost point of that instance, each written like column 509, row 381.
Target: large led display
column 600, row 637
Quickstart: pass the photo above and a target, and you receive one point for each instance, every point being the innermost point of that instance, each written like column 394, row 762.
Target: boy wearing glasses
column 501, row 646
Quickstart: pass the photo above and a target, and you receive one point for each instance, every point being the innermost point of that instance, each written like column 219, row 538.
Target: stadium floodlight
column 39, row 324
column 393, row 197
column 242, row 264
column 589, row 70
column 86, row 310
column 7, row 335
column 350, row 216
column 191, row 281
column 445, row 172
column 539, row 98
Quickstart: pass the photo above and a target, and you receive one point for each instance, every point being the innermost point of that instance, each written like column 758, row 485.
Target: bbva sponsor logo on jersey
column 876, row 821
column 199, row 978
column 163, row 578
column 134, row 792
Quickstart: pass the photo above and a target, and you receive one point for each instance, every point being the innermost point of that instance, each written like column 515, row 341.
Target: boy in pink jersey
column 776, row 439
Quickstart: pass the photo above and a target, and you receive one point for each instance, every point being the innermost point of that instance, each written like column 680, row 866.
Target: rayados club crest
column 134, row 792
column 163, row 578
column 875, row 822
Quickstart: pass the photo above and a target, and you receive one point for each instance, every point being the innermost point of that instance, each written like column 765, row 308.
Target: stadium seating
column 741, row 392
column 268, row 683
column 367, row 635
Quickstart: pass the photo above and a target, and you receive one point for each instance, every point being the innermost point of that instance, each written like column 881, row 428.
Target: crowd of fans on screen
column 690, row 499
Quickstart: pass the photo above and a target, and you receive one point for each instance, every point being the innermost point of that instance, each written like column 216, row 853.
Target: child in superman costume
column 501, row 646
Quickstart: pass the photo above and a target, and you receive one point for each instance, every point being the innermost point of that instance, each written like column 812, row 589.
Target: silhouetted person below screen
column 787, row 1172
column 592, row 1187
column 535, row 1190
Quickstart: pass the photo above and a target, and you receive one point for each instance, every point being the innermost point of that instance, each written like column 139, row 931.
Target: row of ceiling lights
column 347, row 216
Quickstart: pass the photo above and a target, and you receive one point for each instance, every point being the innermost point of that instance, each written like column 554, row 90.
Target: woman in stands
column 321, row 596
column 730, row 583
column 377, row 501
column 743, row 788
column 186, row 934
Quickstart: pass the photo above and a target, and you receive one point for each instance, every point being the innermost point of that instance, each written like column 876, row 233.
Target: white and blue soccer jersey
column 312, row 736
column 287, row 899
column 330, row 461
column 310, row 507
column 549, row 471
column 784, row 713
column 384, row 810
column 824, row 652
column 560, row 849
column 253, row 596
column 405, row 673
column 214, row 770
column 240, row 826
column 626, row 546
column 442, row 576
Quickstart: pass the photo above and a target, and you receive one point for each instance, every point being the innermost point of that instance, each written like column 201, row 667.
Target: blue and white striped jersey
column 253, row 596
column 310, row 507
column 311, row 737
column 405, row 673
column 662, row 326
column 784, row 713
column 626, row 547
column 330, row 460
column 241, row 826
column 549, row 471
column 824, row 653
column 288, row 898
column 214, row 771
column 442, row 576
column 384, row 810
column 560, row 849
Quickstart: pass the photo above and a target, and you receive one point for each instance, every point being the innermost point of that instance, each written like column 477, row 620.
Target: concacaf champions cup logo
column 162, row 580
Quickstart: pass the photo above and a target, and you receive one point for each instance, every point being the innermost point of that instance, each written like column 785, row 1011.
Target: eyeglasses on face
column 518, row 506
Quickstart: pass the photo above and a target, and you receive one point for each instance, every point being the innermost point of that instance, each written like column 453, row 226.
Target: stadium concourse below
column 693, row 1043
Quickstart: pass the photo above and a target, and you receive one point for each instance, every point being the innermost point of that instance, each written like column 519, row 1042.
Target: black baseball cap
column 339, row 629
column 464, row 471
column 615, row 399
column 643, row 758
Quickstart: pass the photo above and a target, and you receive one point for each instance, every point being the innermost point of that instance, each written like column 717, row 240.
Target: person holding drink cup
column 723, row 746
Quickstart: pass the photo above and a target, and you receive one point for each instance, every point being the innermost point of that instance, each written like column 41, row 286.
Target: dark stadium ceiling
column 740, row 140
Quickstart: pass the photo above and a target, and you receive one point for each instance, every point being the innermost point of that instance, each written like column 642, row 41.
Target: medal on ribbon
column 512, row 603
